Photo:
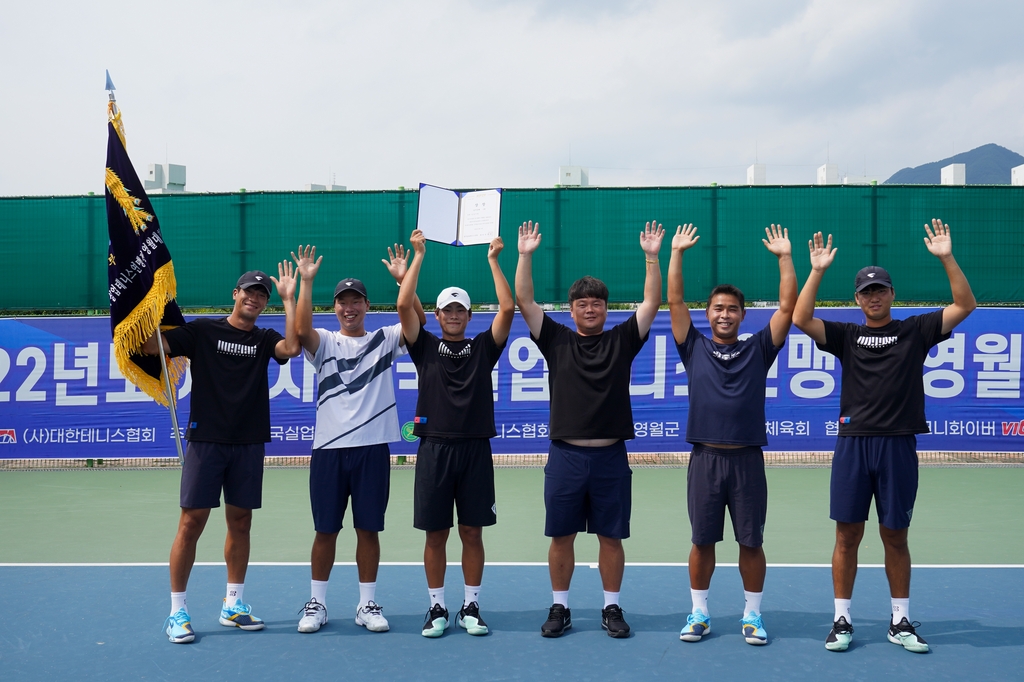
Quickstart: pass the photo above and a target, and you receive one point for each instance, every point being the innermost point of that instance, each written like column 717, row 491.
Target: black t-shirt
column 727, row 383
column 883, row 373
column 589, row 379
column 230, row 392
column 456, row 398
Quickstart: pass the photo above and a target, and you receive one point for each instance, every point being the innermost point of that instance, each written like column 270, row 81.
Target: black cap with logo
column 870, row 276
column 254, row 278
column 351, row 284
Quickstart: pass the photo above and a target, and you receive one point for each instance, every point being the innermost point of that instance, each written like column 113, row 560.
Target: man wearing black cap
column 356, row 418
column 881, row 408
column 228, row 424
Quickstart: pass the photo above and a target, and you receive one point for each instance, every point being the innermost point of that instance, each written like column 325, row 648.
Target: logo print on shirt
column 236, row 349
column 446, row 352
column 877, row 341
column 726, row 356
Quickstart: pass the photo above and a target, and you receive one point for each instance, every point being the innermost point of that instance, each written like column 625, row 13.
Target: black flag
column 139, row 270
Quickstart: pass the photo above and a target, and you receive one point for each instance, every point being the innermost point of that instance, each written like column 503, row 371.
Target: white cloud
column 468, row 93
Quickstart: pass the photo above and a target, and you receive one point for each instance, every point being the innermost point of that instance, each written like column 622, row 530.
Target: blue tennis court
column 103, row 622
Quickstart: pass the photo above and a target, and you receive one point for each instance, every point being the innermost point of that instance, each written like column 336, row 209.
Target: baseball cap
column 254, row 278
column 350, row 284
column 871, row 275
column 453, row 295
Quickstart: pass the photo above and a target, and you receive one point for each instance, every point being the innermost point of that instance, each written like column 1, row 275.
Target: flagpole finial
column 110, row 86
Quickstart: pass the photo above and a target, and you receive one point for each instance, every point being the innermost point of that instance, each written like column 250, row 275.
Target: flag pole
column 170, row 397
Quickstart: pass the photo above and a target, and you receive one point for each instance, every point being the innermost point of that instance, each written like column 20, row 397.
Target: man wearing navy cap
column 228, row 424
column 881, row 411
column 356, row 418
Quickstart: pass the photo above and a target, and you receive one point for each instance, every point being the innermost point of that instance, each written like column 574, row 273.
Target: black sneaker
column 469, row 619
column 611, row 620
column 559, row 620
column 436, row 622
column 840, row 636
column 906, row 636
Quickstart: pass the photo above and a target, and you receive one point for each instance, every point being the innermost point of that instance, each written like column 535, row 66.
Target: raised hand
column 650, row 239
column 778, row 241
column 306, row 263
column 822, row 252
column 685, row 237
column 397, row 261
column 938, row 241
column 495, row 248
column 529, row 237
column 285, row 281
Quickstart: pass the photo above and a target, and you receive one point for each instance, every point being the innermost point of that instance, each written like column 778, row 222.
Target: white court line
column 489, row 563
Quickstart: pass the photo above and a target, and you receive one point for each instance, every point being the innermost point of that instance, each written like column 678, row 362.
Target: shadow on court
column 105, row 623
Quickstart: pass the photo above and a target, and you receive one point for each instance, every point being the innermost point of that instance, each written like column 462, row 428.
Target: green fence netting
column 54, row 248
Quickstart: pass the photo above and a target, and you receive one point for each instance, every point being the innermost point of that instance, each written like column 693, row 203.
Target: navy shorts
column 724, row 477
column 362, row 472
column 457, row 472
column 587, row 489
column 881, row 466
column 210, row 467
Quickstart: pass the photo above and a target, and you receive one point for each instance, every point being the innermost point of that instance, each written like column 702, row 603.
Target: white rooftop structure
column 757, row 174
column 954, row 174
column 572, row 176
column 1017, row 175
column 828, row 174
column 165, row 178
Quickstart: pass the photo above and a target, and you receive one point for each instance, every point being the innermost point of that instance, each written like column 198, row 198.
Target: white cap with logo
column 453, row 295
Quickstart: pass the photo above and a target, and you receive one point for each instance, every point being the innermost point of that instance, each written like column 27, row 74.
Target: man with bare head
column 587, row 480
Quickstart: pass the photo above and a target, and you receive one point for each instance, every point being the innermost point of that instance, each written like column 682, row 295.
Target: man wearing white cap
column 455, row 422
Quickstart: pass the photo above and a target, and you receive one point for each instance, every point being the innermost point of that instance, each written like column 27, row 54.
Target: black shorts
column 883, row 467
column 718, row 478
column 210, row 467
column 457, row 471
column 587, row 489
column 362, row 472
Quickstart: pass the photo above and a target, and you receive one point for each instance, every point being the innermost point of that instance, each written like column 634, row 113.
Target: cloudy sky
column 471, row 93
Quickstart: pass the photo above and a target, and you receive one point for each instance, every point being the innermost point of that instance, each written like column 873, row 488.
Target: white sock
column 611, row 598
column 752, row 602
column 900, row 610
column 234, row 593
column 843, row 609
column 367, row 591
column 178, row 602
column 436, row 596
column 560, row 598
column 318, row 591
column 472, row 595
column 700, row 600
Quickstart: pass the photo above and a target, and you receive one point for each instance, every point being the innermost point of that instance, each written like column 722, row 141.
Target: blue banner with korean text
column 62, row 395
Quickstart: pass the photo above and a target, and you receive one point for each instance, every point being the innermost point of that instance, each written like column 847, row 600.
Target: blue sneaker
column 178, row 627
column 753, row 629
column 697, row 625
column 239, row 616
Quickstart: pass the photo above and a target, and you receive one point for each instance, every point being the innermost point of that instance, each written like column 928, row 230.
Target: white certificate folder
column 458, row 218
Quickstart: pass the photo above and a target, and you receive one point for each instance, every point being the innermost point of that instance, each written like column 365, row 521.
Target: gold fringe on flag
column 136, row 216
column 138, row 326
column 114, row 116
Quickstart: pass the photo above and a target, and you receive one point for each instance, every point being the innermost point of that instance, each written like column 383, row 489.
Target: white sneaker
column 372, row 618
column 314, row 615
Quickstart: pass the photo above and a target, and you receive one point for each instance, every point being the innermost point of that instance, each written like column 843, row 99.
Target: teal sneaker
column 697, row 625
column 436, row 622
column 178, row 627
column 753, row 629
column 906, row 636
column 469, row 618
column 840, row 636
column 239, row 616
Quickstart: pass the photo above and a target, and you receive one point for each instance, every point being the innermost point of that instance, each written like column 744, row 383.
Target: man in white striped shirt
column 356, row 418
